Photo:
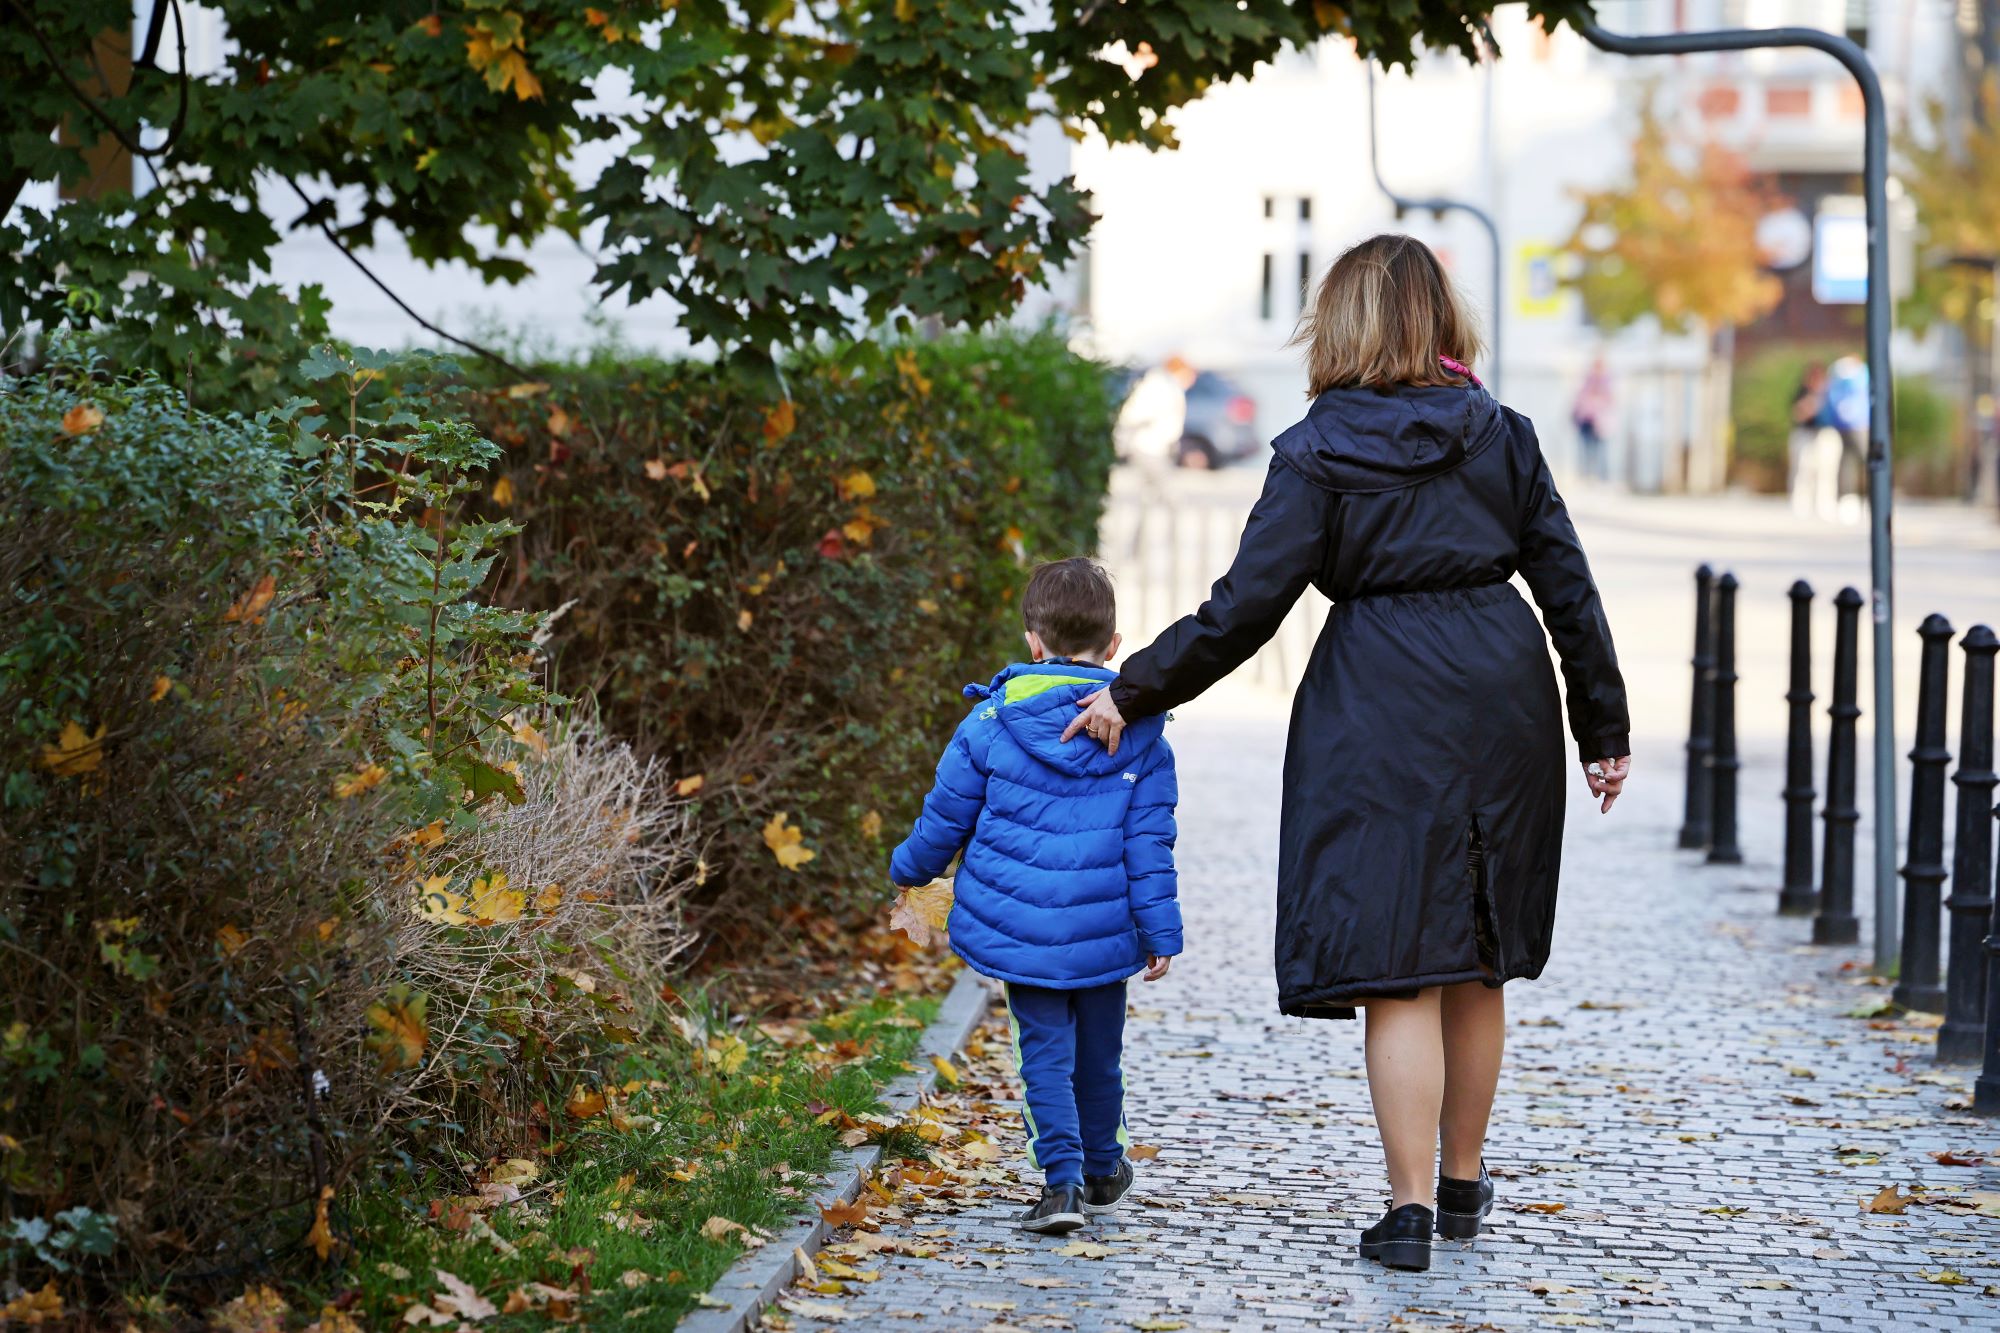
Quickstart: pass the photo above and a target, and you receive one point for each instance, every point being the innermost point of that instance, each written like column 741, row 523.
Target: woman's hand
column 1101, row 718
column 1607, row 779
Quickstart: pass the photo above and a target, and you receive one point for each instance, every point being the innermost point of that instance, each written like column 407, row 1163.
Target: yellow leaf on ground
column 162, row 685
column 231, row 939
column 787, row 843
column 921, row 911
column 857, row 486
column 946, row 1070
column 1890, row 1199
column 493, row 901
column 515, row 1171
column 252, row 604
column 727, row 1054
column 82, row 419
column 75, row 753
column 721, row 1228
column 549, row 899
column 524, row 734
column 503, row 492
column 689, row 786
column 1142, row 1152
column 584, row 1103
column 656, row 469
column 437, row 904
column 1084, row 1249
column 349, row 785
column 257, row 1310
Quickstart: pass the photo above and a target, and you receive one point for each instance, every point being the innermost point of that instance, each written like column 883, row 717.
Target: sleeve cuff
column 1615, row 745
column 1126, row 696
column 1161, row 946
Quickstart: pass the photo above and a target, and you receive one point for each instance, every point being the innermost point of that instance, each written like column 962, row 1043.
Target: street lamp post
column 1875, row 191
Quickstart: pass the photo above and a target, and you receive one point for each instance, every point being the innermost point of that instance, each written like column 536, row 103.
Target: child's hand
column 1156, row 967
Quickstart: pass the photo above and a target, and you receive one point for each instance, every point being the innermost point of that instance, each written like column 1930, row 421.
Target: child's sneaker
column 1058, row 1212
column 1101, row 1194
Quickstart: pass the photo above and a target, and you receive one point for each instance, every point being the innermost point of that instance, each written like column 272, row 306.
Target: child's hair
column 1069, row 603
column 1386, row 313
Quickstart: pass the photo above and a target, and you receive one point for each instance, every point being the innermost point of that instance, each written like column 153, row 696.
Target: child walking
column 1065, row 886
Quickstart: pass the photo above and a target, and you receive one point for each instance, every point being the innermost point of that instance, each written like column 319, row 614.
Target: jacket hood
column 1034, row 701
column 1357, row 441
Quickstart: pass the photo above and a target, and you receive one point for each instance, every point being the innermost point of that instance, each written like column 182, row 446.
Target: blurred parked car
column 1221, row 423
column 1221, row 419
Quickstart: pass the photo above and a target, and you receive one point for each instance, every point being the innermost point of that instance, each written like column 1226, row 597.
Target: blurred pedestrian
column 1153, row 419
column 1847, row 413
column 1591, row 415
column 1813, row 474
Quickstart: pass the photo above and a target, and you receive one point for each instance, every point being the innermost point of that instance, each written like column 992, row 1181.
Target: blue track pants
column 1067, row 1044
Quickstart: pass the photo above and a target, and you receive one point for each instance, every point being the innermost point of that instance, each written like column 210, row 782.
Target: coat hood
column 1034, row 701
column 1358, row 441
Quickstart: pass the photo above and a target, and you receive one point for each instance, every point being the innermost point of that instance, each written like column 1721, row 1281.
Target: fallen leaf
column 1084, row 1249
column 845, row 1214
column 689, row 786
column 780, row 421
column 946, row 1070
column 1727, row 1210
column 1043, row 1283
column 1544, row 1287
column 320, row 1235
column 857, row 485
column 401, row 1028
column 656, row 469
column 1949, row 1158
column 1944, row 1277
column 349, row 785
column 587, row 1102
column 1158, row 1325
column 162, row 686
column 1544, row 1207
column 721, row 1228
column 515, row 1171
column 634, row 1277
column 1890, row 1199
column 1142, row 1152
column 493, row 902
column 1769, row 1284
column 43, row 1305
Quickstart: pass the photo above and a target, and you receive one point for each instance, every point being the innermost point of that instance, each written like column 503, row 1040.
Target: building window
column 1856, row 22
column 1306, row 209
column 1305, row 277
column 1264, row 290
column 1270, row 206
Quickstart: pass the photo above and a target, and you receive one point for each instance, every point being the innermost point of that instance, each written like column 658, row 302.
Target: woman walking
column 1421, row 831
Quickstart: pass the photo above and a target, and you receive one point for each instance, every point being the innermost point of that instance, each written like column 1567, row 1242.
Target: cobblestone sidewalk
column 1689, row 1128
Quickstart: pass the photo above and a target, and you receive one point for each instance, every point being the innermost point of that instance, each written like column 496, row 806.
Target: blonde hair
column 1384, row 314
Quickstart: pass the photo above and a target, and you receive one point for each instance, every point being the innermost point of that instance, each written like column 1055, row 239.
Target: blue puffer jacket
column 1067, row 878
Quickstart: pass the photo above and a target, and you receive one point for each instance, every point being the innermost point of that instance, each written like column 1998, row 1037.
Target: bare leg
column 1474, row 1018
column 1405, row 1045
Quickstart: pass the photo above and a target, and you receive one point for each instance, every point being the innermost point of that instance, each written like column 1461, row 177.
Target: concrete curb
column 758, row 1276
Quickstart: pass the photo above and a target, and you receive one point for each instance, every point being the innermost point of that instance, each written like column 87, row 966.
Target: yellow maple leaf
column 727, row 1054
column 857, row 486
column 75, row 753
column 503, row 492
column 493, row 901
column 524, row 734
column 82, row 419
column 549, row 899
column 34, row 1307
column 920, row 911
column 787, row 843
column 437, row 904
column 584, row 1103
column 232, row 939
column 161, row 686
column 780, row 421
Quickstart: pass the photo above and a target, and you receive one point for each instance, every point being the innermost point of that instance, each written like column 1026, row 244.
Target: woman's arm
column 1283, row 547
column 1553, row 563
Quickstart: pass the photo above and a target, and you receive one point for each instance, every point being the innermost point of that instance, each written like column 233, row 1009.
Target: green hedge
column 781, row 596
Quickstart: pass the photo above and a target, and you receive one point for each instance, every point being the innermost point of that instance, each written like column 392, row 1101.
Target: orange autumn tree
column 1952, row 174
column 1678, row 241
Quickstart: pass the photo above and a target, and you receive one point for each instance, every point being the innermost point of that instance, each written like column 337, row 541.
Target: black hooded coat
column 1421, row 837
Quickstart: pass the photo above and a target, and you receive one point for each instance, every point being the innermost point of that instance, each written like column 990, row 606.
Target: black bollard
column 1986, row 1088
column 1836, row 922
column 1923, row 874
column 1701, row 714
column 1971, row 900
column 1722, row 761
column 1797, row 897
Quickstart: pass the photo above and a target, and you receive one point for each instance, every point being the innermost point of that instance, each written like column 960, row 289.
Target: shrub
column 238, row 659
column 780, row 596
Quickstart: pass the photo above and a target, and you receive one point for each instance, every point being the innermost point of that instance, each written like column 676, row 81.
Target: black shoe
column 1402, row 1239
column 1463, row 1205
column 1058, row 1212
column 1103, row 1193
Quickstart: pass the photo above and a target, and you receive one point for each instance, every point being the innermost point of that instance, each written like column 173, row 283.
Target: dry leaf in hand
column 921, row 911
